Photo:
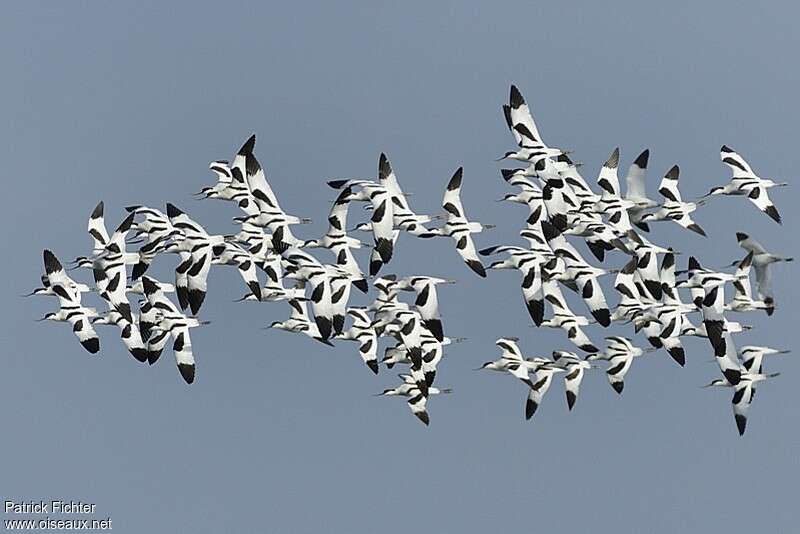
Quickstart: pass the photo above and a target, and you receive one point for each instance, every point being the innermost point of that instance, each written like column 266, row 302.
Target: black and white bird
column 620, row 353
column 743, row 392
column 458, row 227
column 381, row 220
column 427, row 301
column 128, row 333
column 416, row 400
column 542, row 379
column 164, row 319
column 574, row 367
column 197, row 246
column 761, row 262
column 364, row 333
column 746, row 182
column 752, row 356
column 155, row 228
column 674, row 208
column 403, row 217
column 338, row 242
column 110, row 270
column 520, row 122
column 299, row 321
column 636, row 190
column 70, row 308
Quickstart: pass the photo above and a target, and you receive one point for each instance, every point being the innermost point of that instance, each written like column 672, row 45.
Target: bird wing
column 592, row 293
column 58, row 280
column 509, row 349
column 84, row 331
column 184, row 358
column 737, row 163
column 572, row 383
column 382, row 224
column 197, row 276
column 541, row 383
column 759, row 197
column 337, row 219
column 118, row 237
column 669, row 185
column 576, row 334
column 532, row 292
column 713, row 308
column 742, row 398
column 519, row 113
column 742, row 282
column 451, row 202
column 321, row 304
column 259, row 187
column 608, row 179
column 635, row 177
column 418, row 402
column 647, row 268
column 97, row 228
column 466, row 249
column 764, row 281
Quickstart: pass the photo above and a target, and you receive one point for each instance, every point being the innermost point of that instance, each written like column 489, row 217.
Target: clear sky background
column 129, row 103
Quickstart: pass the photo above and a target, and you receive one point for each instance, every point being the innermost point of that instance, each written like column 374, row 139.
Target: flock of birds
column 277, row 266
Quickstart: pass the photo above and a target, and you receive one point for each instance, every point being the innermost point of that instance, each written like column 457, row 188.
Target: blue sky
column 129, row 103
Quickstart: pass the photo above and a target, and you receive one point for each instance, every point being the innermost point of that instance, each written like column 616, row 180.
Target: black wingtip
column 196, row 298
column 140, row 354
column 423, row 416
column 92, row 344
column 173, row 211
column 126, row 224
column 384, row 167
column 375, row 267
column 726, row 148
column 618, row 387
column 530, row 409
column 98, row 211
column 51, row 263
column 602, row 316
column 477, row 267
column 508, row 173
column 673, row 173
column 642, row 159
column 183, row 296
column 571, row 399
column 384, row 248
column 741, row 423
column 536, row 311
column 733, row 376
column 455, row 181
column 325, row 327
column 337, row 184
column 613, row 160
column 138, row 270
column 772, row 211
column 696, row 228
column 694, row 264
column 187, row 372
column 679, row 355
column 373, row 365
column 515, row 97
column 741, row 236
column 362, row 285
column 435, row 328
column 153, row 356
column 248, row 146
column 549, row 230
